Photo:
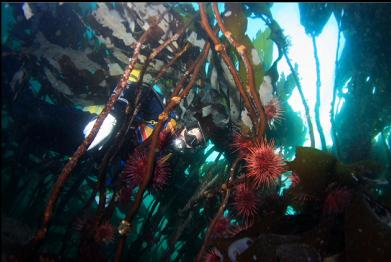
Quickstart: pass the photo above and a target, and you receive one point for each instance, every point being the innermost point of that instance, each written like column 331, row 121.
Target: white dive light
column 179, row 144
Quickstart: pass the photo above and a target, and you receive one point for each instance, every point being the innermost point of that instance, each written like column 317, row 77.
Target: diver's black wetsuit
column 60, row 128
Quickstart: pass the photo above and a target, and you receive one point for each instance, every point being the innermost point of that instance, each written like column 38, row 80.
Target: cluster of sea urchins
column 264, row 166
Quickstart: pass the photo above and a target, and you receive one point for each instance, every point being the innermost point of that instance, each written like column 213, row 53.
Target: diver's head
column 189, row 138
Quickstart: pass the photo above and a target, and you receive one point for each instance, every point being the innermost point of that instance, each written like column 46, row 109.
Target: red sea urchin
column 162, row 171
column 245, row 201
column 136, row 167
column 264, row 166
column 295, row 179
column 221, row 228
column 273, row 111
column 241, row 144
column 213, row 255
column 337, row 200
column 105, row 233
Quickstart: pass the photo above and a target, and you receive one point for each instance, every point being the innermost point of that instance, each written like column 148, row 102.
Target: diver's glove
column 104, row 132
column 117, row 114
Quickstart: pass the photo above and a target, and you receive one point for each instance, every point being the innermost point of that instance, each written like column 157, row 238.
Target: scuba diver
column 63, row 129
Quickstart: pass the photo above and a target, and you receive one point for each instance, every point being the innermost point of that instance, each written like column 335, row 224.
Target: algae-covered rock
column 315, row 168
column 367, row 234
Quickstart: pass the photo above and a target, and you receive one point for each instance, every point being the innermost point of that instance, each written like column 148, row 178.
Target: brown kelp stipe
column 174, row 101
column 220, row 212
column 65, row 173
column 243, row 52
column 173, row 61
column 155, row 52
column 220, row 48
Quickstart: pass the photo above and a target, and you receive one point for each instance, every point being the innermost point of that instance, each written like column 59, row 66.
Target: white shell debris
column 238, row 247
column 27, row 11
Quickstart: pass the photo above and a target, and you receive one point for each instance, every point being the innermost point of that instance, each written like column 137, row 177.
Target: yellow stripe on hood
column 97, row 109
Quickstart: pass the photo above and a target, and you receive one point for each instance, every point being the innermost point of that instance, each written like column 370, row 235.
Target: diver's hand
column 104, row 131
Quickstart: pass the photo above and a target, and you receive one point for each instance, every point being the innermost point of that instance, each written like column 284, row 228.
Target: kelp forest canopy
column 253, row 192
